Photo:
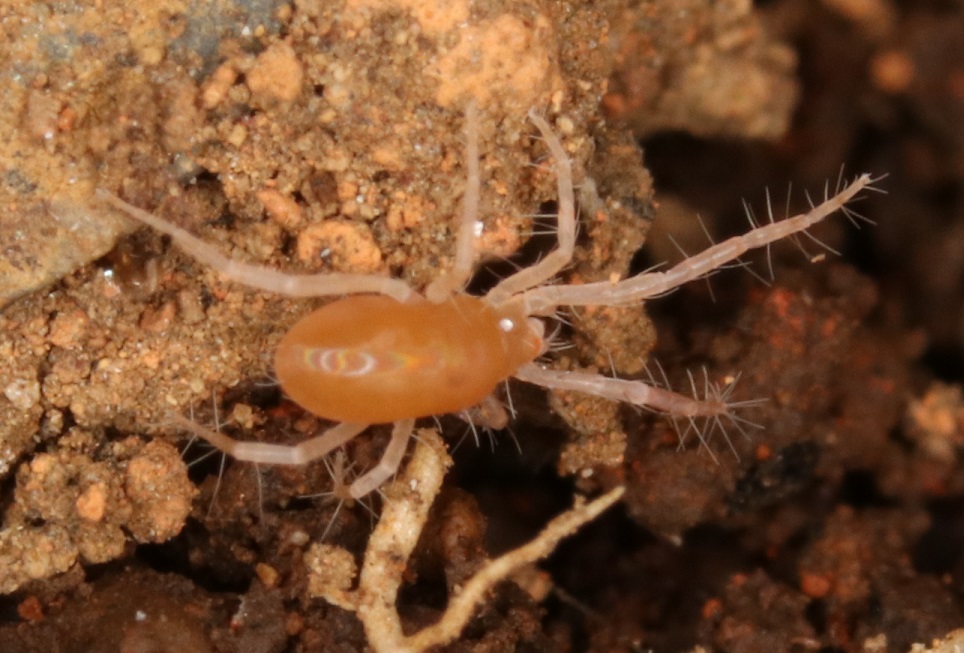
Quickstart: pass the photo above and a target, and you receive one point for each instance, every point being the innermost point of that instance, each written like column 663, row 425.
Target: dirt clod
column 328, row 137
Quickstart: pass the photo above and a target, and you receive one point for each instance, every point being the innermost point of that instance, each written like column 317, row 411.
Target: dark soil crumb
column 328, row 136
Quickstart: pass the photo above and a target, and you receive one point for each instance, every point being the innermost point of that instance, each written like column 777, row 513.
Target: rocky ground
column 321, row 136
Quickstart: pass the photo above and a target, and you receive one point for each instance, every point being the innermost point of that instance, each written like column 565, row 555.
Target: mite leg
column 456, row 278
column 637, row 393
column 545, row 299
column 559, row 258
column 259, row 276
column 388, row 465
column 276, row 454
column 702, row 415
column 488, row 413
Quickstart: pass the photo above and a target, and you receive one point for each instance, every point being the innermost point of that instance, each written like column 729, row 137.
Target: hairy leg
column 275, row 454
column 259, row 276
column 700, row 415
column 637, row 393
column 456, row 278
column 559, row 258
column 545, row 299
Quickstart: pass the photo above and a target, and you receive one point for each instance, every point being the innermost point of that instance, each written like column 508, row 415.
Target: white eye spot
column 478, row 228
column 506, row 324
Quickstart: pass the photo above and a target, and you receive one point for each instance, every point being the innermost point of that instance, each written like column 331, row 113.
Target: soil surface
column 317, row 136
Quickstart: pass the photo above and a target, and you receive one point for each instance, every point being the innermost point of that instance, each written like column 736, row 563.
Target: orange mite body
column 371, row 359
column 386, row 353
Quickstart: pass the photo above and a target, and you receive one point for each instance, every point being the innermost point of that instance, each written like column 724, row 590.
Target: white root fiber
column 404, row 514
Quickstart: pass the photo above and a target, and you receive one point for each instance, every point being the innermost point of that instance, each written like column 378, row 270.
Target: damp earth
column 317, row 136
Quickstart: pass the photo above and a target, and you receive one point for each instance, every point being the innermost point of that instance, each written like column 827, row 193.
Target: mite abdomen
column 370, row 359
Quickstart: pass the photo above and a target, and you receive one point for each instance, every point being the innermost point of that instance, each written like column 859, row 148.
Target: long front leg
column 545, row 299
column 638, row 393
column 702, row 415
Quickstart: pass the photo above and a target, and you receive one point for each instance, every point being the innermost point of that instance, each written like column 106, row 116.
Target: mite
column 384, row 353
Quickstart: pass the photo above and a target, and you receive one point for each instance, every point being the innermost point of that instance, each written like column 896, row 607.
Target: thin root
column 404, row 515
